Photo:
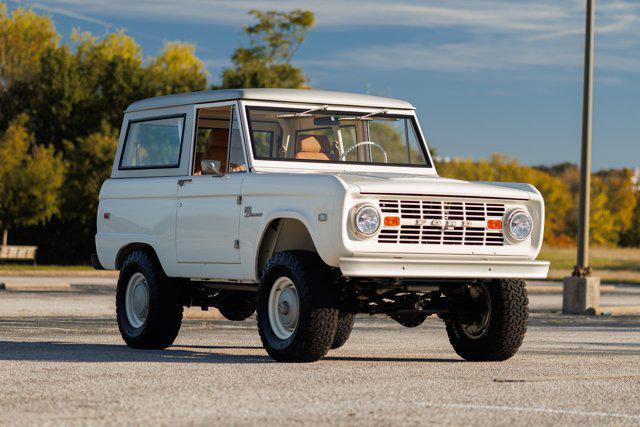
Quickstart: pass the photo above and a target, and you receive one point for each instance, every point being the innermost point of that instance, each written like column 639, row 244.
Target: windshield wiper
column 366, row 116
column 302, row 113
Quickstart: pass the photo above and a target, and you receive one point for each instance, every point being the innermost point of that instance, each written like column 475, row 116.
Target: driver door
column 208, row 210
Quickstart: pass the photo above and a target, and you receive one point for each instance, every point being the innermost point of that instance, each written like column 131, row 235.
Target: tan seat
column 313, row 147
column 217, row 147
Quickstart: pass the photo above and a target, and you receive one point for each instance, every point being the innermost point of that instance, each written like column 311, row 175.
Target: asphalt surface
column 62, row 362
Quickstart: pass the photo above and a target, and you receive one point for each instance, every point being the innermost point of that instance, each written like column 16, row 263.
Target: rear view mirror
column 210, row 167
column 326, row 121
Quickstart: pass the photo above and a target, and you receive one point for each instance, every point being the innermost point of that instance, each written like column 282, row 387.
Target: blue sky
column 485, row 76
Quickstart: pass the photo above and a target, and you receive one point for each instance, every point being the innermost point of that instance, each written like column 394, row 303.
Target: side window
column 263, row 142
column 153, row 143
column 236, row 153
column 416, row 156
column 218, row 138
column 399, row 140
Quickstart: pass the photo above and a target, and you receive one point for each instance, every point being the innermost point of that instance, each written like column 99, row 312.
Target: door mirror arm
column 211, row 167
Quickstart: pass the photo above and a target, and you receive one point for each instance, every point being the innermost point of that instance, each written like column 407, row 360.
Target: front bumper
column 367, row 266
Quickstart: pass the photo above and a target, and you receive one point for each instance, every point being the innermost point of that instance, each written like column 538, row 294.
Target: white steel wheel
column 137, row 300
column 283, row 308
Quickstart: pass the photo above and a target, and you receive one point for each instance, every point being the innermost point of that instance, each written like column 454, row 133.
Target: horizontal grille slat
column 465, row 214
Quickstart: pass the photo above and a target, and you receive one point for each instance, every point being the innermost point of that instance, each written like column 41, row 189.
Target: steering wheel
column 359, row 144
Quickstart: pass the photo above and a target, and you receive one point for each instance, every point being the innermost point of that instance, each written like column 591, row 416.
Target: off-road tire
column 317, row 322
column 343, row 331
column 507, row 324
column 165, row 310
column 237, row 305
column 409, row 320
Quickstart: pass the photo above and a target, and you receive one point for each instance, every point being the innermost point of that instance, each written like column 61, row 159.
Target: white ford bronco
column 308, row 207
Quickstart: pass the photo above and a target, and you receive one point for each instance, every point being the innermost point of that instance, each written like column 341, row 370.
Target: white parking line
column 530, row 409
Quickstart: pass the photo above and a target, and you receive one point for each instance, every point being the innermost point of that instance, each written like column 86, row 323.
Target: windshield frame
column 266, row 164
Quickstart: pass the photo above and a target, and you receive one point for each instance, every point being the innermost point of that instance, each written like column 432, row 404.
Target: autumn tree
column 24, row 37
column 631, row 237
column 501, row 168
column 273, row 41
column 30, row 179
column 176, row 69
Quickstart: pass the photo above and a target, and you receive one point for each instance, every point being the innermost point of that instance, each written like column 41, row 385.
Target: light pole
column 581, row 290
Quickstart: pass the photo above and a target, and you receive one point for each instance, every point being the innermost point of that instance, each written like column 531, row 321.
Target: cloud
column 71, row 14
column 490, row 34
column 538, row 16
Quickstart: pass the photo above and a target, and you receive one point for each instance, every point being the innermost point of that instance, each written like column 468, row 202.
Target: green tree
column 273, row 41
column 30, row 179
column 53, row 98
column 89, row 161
column 113, row 76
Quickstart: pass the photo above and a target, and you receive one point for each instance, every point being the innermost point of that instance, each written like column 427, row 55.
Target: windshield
column 320, row 135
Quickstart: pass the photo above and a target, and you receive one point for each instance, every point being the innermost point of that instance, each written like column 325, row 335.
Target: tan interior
column 216, row 150
column 313, row 147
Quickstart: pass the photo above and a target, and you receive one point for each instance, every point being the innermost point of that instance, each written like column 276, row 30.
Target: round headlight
column 519, row 225
column 366, row 220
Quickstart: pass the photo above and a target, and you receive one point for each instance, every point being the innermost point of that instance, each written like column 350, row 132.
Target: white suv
column 309, row 207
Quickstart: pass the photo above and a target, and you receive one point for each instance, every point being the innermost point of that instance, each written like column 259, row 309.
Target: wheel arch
column 130, row 247
column 283, row 234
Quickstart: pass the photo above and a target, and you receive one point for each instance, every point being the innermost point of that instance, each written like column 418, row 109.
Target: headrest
column 312, row 144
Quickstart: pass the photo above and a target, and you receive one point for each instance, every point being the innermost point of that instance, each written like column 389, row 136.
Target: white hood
column 433, row 185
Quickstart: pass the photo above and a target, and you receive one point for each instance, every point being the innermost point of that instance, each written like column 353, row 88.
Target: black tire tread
column 343, row 331
column 317, row 328
column 165, row 316
column 510, row 312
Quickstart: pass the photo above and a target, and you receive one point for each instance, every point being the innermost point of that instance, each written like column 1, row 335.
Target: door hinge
column 236, row 244
column 239, row 200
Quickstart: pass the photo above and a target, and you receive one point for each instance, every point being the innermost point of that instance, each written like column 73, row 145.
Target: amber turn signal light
column 392, row 221
column 494, row 224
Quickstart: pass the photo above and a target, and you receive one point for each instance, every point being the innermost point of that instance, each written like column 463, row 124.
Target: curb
column 623, row 310
column 59, row 273
column 19, row 287
column 557, row 289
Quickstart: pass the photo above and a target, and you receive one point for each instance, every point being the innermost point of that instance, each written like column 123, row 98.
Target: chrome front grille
column 442, row 222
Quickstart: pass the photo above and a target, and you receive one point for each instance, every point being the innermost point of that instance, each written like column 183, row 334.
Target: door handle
column 184, row 181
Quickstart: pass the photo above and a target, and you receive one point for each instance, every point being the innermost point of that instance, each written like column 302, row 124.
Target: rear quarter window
column 153, row 143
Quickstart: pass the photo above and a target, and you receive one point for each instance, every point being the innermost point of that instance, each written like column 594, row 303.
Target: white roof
column 302, row 96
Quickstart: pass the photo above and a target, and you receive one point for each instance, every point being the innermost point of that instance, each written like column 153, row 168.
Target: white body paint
column 213, row 227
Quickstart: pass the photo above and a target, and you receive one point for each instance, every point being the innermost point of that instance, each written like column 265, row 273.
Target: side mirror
column 210, row 167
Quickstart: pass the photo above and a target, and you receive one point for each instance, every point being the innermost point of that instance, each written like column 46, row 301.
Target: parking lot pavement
column 62, row 362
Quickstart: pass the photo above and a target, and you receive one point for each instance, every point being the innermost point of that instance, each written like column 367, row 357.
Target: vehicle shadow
column 390, row 359
column 53, row 351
